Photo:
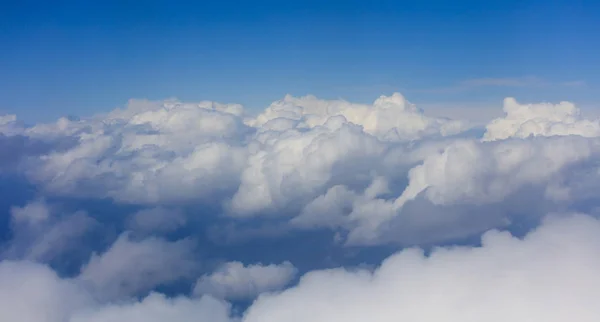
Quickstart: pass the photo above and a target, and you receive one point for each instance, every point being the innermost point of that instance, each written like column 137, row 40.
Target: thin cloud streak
column 510, row 82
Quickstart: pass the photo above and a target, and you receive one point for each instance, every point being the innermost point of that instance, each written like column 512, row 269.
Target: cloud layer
column 173, row 210
column 550, row 275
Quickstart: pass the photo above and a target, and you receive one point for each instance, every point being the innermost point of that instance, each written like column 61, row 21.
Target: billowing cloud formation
column 175, row 152
column 545, row 119
column 43, row 234
column 132, row 267
column 235, row 281
column 389, row 118
column 354, row 168
column 34, row 293
column 147, row 153
column 129, row 210
column 549, row 275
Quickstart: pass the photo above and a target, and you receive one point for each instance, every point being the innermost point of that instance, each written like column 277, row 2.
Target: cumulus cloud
column 153, row 152
column 235, row 281
column 358, row 169
column 173, row 187
column 389, row 118
column 131, row 267
column 169, row 152
column 464, row 175
column 298, row 165
column 550, row 275
column 41, row 233
column 543, row 119
column 34, row 293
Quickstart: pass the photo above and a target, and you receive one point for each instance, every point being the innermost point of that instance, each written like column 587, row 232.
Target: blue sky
column 84, row 57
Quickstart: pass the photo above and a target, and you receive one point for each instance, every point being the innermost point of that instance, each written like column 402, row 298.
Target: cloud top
column 543, row 119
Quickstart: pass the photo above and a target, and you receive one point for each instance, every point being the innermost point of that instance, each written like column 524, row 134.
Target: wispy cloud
column 529, row 81
column 576, row 83
column 515, row 82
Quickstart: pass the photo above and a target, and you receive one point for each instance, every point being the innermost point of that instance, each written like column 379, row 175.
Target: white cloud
column 296, row 165
column 41, row 233
column 34, row 293
column 373, row 174
column 389, row 118
column 131, row 267
column 551, row 275
column 150, row 152
column 311, row 162
column 235, row 281
column 544, row 119
column 468, row 172
column 173, row 152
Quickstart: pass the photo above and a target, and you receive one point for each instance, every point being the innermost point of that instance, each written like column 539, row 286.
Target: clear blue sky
column 81, row 57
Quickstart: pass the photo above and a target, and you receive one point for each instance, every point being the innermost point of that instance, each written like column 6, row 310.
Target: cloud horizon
column 310, row 210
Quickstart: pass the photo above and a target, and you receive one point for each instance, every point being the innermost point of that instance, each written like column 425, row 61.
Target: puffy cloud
column 468, row 172
column 382, row 174
column 43, row 234
column 544, row 119
column 297, row 165
column 170, row 152
column 449, row 184
column 304, row 146
column 173, row 152
column 132, row 267
column 389, row 118
column 234, row 281
column 358, row 169
column 550, row 275
column 34, row 293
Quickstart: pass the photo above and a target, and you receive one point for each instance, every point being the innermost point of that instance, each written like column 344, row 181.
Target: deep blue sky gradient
column 83, row 57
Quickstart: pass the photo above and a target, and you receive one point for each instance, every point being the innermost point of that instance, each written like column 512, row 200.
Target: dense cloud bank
column 169, row 210
column 550, row 275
